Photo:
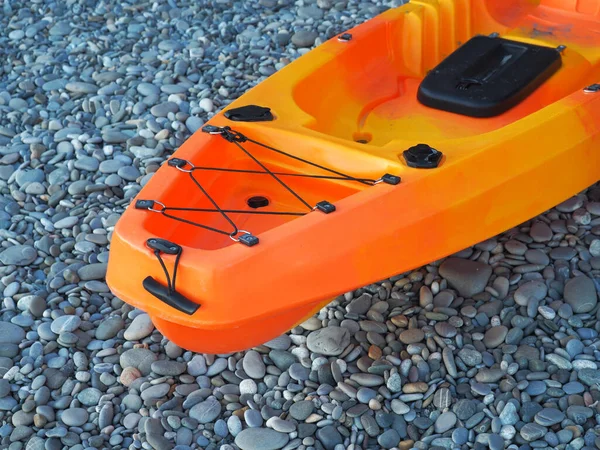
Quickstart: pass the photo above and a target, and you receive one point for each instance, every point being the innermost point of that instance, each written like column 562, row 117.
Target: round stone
column 509, row 415
column 445, row 422
column 11, row 333
column 580, row 293
column 261, row 439
column 565, row 253
column 206, row 411
column 470, row 356
column 460, row 436
column 388, row 439
column 140, row 358
column 399, row 407
column 301, row 410
column 442, row 398
column 411, row 336
column 466, row 276
column 109, row 328
column 464, row 409
column 168, row 368
column 535, row 290
column 540, row 232
column 129, row 375
column 495, row 336
column 330, row 341
column 253, row 365
column 549, row 416
column 532, row 432
column 330, row 437
column 65, row 324
column 18, row 255
column 140, row 327
column 74, row 417
column 304, row 38
column 155, row 392
column 536, row 388
column 253, row 418
column 445, row 330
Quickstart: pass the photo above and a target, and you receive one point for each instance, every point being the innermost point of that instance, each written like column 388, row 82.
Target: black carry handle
column 174, row 299
column 168, row 294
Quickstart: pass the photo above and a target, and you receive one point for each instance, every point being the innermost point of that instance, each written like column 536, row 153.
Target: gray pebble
column 74, row 417
column 261, row 439
column 206, row 411
column 301, row 410
column 304, row 38
column 254, row 365
column 329, row 341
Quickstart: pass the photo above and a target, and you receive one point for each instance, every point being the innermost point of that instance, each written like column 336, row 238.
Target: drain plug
column 258, row 201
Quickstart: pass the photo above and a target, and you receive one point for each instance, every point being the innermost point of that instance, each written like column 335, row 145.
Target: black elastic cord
column 239, row 211
column 346, row 177
column 206, row 227
column 367, row 181
column 175, row 269
column 273, row 175
column 224, row 214
column 162, row 263
column 237, row 138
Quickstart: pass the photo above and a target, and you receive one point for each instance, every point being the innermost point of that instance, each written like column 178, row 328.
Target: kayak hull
column 248, row 335
column 495, row 174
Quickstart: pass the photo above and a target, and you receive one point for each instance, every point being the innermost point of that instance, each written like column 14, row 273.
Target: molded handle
column 173, row 299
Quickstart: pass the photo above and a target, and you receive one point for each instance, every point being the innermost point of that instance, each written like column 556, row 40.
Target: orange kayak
column 425, row 130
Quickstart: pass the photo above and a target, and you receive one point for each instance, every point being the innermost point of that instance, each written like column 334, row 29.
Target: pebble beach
column 495, row 347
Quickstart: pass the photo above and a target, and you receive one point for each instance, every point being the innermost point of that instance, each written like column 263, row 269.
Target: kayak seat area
column 486, row 76
column 427, row 70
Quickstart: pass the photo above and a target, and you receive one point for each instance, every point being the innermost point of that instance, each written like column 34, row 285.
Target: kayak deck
column 352, row 106
column 369, row 92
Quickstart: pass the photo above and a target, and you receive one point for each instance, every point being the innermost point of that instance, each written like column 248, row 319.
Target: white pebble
column 146, row 133
column 162, row 134
column 207, row 105
column 175, row 98
column 477, row 336
column 298, row 339
column 512, row 369
column 9, row 303
column 108, row 150
column 508, row 432
column 374, row 405
column 343, row 365
column 248, row 386
column 197, row 52
column 10, row 374
column 547, row 312
column 83, row 376
column 300, row 352
column 318, row 362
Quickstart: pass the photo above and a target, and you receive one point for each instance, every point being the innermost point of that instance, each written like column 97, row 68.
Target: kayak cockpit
column 376, row 101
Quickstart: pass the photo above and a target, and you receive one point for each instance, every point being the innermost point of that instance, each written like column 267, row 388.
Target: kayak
column 427, row 129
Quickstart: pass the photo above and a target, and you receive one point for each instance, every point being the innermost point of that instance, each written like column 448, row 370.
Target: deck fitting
column 422, row 156
column 592, row 88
